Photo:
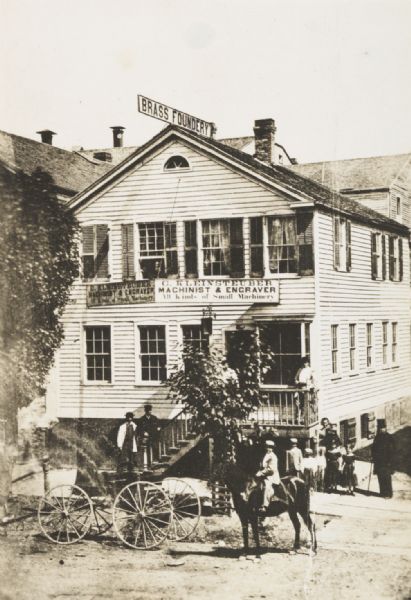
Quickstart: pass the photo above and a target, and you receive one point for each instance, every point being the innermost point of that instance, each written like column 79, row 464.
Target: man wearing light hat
column 294, row 459
column 270, row 473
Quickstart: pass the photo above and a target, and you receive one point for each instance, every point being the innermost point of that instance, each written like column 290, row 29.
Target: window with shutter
column 158, row 250
column 400, row 260
column 348, row 432
column 190, row 249
column 384, row 257
column 127, row 254
column 348, row 245
column 95, row 247
column 282, row 244
column 374, row 264
column 236, row 248
column 305, row 243
column 256, row 247
column 342, row 244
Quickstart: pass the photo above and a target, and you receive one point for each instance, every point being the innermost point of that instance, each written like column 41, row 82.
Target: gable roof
column 70, row 172
column 375, row 172
column 281, row 178
column 117, row 154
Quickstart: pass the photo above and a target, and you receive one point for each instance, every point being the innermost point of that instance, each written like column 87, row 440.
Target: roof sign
column 160, row 111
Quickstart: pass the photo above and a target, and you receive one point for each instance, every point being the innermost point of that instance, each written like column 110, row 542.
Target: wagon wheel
column 142, row 515
column 186, row 508
column 64, row 514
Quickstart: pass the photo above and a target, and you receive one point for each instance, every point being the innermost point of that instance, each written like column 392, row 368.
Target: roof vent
column 118, row 132
column 47, row 136
column 105, row 156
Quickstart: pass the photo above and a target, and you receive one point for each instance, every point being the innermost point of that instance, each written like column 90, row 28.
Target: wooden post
column 46, row 470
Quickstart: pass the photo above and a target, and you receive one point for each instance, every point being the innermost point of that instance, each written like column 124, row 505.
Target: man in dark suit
column 382, row 452
column 148, row 427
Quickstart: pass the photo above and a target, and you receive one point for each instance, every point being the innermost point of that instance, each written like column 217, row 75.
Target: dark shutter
column 400, row 260
column 256, row 247
column 348, row 432
column 374, row 264
column 348, row 244
column 236, row 248
column 336, row 242
column 87, row 257
column 101, row 266
column 384, row 257
column 127, row 247
column 171, row 249
column 305, row 243
column 190, row 249
column 391, row 256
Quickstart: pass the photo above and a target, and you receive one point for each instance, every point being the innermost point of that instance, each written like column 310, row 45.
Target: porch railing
column 289, row 407
column 171, row 438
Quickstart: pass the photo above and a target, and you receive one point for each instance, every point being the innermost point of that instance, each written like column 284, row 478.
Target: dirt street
column 364, row 552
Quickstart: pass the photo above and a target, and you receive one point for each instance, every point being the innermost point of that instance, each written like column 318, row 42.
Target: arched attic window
column 176, row 163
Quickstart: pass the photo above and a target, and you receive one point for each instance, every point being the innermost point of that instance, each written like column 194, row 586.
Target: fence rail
column 287, row 407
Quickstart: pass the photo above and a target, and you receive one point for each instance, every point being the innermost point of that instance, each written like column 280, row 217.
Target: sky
column 334, row 74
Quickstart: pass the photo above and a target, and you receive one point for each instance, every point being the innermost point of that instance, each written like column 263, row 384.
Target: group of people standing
column 138, row 437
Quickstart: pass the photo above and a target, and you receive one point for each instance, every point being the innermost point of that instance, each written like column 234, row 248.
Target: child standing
column 349, row 470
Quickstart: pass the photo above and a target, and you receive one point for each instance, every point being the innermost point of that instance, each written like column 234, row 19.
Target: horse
column 247, row 493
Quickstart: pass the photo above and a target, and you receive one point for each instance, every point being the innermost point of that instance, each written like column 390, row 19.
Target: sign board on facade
column 208, row 291
column 127, row 292
column 161, row 111
column 175, row 291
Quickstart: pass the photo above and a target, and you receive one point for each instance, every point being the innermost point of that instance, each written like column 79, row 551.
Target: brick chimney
column 47, row 136
column 264, row 136
column 118, row 131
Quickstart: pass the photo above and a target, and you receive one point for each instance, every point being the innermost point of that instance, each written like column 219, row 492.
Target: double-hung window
column 370, row 345
column 395, row 258
column 222, row 247
column 98, row 353
column 334, row 349
column 194, row 338
column 94, row 251
column 281, row 245
column 158, row 250
column 394, row 333
column 385, row 343
column 353, row 346
column 378, row 256
column 342, row 244
column 153, row 353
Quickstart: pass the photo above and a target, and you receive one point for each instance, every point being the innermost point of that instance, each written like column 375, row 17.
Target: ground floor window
column 153, row 354
column 348, row 432
column 284, row 340
column 194, row 337
column 98, row 353
column 394, row 328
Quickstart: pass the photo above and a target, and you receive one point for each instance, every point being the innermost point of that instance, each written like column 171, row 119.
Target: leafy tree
column 220, row 392
column 39, row 262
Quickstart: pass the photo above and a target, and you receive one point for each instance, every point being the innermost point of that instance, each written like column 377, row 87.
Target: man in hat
column 294, row 459
column 382, row 452
column 127, row 444
column 148, row 427
column 269, row 473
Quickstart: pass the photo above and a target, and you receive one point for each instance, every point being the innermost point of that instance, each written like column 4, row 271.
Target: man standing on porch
column 127, row 444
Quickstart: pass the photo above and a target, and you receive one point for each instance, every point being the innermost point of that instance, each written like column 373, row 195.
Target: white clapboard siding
column 379, row 201
column 207, row 190
column 353, row 297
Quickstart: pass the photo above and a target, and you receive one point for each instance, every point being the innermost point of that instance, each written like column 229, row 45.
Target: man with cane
column 382, row 452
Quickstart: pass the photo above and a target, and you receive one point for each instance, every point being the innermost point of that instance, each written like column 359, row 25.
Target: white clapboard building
column 187, row 225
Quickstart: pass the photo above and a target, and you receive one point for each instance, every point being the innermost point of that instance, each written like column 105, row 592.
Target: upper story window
column 94, row 251
column 222, row 247
column 176, row 163
column 395, row 258
column 158, row 250
column 398, row 206
column 378, row 256
column 342, row 244
column 334, row 349
column 289, row 244
column 370, row 345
